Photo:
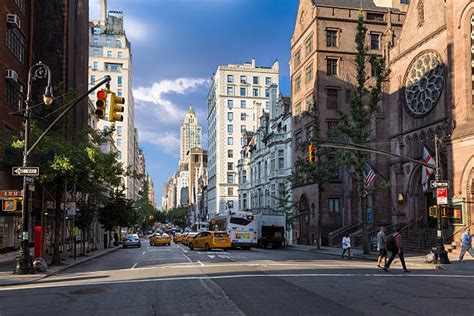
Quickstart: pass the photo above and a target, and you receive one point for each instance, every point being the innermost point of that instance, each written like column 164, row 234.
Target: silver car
column 131, row 241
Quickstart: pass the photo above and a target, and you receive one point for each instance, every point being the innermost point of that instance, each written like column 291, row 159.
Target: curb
column 48, row 274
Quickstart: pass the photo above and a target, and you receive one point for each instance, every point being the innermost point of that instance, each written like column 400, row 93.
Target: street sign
column 11, row 193
column 370, row 216
column 30, row 180
column 25, row 171
column 439, row 184
column 441, row 196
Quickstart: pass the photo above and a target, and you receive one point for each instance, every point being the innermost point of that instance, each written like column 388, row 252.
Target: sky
column 177, row 45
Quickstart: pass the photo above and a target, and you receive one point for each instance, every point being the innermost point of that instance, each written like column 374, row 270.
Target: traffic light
column 101, row 104
column 116, row 108
column 312, row 153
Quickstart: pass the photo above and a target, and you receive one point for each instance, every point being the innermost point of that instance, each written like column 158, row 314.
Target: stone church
column 431, row 92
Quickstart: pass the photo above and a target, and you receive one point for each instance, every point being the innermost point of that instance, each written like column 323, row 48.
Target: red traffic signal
column 101, row 103
column 312, row 153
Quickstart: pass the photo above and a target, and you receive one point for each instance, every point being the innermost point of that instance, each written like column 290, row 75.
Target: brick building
column 323, row 69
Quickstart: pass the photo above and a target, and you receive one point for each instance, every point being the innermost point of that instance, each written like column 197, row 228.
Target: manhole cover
column 88, row 291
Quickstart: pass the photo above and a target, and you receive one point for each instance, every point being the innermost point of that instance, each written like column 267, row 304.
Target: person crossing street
column 394, row 244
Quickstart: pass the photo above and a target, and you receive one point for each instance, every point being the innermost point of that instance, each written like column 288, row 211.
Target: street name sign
column 439, row 184
column 441, row 196
column 25, row 171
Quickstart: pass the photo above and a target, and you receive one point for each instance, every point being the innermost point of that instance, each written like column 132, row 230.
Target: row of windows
column 96, row 53
column 16, row 43
column 255, row 79
column 21, row 5
column 108, row 42
column 14, row 95
column 243, row 92
column 230, row 116
column 230, row 128
column 119, row 79
column 230, row 141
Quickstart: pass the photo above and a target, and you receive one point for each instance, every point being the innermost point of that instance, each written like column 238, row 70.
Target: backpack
column 390, row 243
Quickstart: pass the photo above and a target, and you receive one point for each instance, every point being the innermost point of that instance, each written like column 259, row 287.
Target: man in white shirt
column 346, row 246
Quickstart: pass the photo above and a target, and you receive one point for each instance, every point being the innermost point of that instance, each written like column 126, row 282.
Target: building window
column 230, row 178
column 281, row 159
column 92, row 78
column 268, row 81
column 243, row 104
column 119, row 130
column 119, row 80
column 230, row 141
column 108, row 42
column 230, row 78
column 243, row 141
column 95, row 65
column 242, row 92
column 255, row 80
column 119, row 54
column 309, row 73
column 332, row 128
column 375, row 17
column 331, row 38
column 230, row 166
column 348, row 95
column 95, row 52
column 267, row 93
column 21, row 5
column 373, row 70
column 331, row 66
column 119, row 142
column 118, row 43
column 333, row 98
column 230, row 128
column 243, row 79
column 119, row 155
column 298, row 84
column 298, row 138
column 374, row 41
column 230, row 116
column 230, row 104
column 230, row 153
column 95, row 41
column 404, row 1
column 230, row 191
column 334, row 205
column 243, row 128
column 113, row 67
column 255, row 92
column 297, row 58
column 109, row 53
column 298, row 109
column 243, row 116
column 16, row 43
column 230, row 90
column 309, row 45
column 309, row 102
column 119, row 92
column 13, row 95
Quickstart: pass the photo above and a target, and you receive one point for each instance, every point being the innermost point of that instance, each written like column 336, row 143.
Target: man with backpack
column 466, row 244
column 381, row 248
column 394, row 244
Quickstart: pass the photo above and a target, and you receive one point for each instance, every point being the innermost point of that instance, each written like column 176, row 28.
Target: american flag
column 369, row 176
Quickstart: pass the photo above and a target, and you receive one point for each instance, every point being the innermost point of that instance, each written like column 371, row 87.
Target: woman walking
column 346, row 246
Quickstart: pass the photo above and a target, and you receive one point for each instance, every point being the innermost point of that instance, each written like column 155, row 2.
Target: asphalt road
column 177, row 281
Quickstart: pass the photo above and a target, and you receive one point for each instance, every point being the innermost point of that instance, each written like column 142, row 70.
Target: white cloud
column 94, row 9
column 136, row 30
column 164, row 110
column 166, row 141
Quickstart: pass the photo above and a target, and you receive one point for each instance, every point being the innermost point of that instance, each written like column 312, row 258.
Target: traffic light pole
column 440, row 251
column 24, row 262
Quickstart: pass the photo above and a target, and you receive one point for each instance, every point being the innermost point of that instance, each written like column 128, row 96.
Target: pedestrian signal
column 312, row 153
column 116, row 108
column 101, row 104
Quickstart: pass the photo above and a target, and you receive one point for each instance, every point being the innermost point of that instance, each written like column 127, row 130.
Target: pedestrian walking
column 381, row 247
column 394, row 244
column 466, row 244
column 346, row 246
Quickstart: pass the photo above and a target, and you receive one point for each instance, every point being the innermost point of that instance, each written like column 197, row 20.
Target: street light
column 24, row 264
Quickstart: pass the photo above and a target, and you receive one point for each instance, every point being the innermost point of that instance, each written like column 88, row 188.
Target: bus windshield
column 240, row 221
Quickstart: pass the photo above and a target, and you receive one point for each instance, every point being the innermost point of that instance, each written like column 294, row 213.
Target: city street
column 177, row 281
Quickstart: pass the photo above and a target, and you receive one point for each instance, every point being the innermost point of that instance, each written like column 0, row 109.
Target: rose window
column 424, row 83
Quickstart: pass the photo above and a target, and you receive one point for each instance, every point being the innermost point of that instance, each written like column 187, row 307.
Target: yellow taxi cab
column 188, row 237
column 160, row 239
column 210, row 240
column 178, row 237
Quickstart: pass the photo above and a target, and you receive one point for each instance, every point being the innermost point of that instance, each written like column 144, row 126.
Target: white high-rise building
column 236, row 99
column 190, row 135
column 110, row 54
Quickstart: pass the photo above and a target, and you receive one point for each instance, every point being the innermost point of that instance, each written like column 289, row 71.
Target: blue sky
column 177, row 46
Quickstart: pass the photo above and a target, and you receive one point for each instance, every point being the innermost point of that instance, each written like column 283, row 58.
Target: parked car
column 131, row 240
column 160, row 239
column 209, row 240
column 188, row 237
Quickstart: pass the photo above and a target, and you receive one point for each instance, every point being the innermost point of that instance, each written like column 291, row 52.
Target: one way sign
column 25, row 171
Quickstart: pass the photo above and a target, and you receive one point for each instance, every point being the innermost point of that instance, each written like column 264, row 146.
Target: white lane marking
column 223, row 256
column 186, row 256
column 240, row 276
column 200, row 263
column 134, row 266
column 211, row 256
column 143, row 253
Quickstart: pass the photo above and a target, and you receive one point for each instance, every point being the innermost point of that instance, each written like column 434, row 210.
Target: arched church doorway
column 420, row 201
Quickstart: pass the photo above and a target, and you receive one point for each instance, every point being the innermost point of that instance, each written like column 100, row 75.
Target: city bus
column 199, row 227
column 241, row 226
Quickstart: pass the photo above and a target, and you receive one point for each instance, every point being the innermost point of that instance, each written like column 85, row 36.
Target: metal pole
column 442, row 254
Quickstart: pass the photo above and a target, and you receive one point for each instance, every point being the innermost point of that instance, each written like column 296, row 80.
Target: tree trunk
column 57, row 225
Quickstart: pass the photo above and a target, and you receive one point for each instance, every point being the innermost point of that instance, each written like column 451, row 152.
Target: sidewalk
column 411, row 259
column 8, row 278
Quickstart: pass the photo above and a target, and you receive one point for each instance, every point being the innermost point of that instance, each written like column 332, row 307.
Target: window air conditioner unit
column 13, row 20
column 11, row 75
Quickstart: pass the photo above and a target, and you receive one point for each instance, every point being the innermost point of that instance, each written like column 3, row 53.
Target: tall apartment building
column 235, row 97
column 323, row 74
column 190, row 135
column 196, row 160
column 151, row 191
column 110, row 54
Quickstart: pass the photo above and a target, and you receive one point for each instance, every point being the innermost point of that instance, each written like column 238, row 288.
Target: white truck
column 271, row 228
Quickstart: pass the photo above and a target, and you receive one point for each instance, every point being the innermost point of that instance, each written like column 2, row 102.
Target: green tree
column 147, row 213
